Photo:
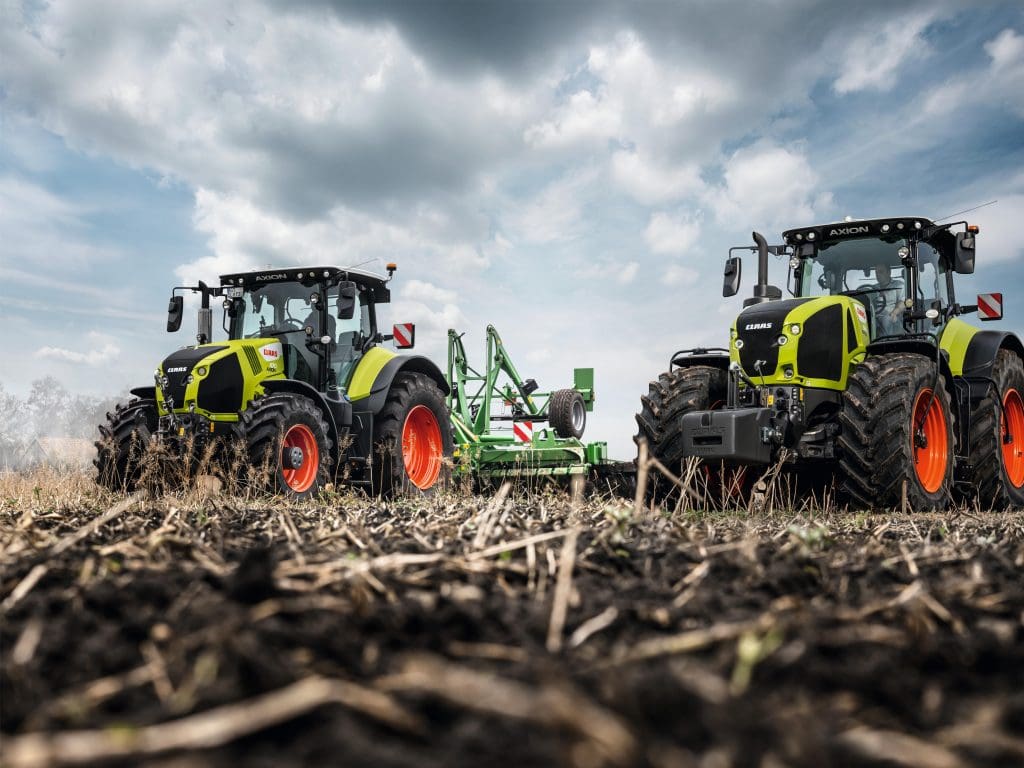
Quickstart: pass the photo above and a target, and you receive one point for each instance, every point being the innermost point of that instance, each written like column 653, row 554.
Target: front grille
column 820, row 355
column 759, row 326
column 177, row 368
column 221, row 390
column 759, row 345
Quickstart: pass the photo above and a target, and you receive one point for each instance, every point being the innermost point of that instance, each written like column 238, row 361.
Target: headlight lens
column 739, row 343
column 795, row 329
column 201, row 370
column 783, row 340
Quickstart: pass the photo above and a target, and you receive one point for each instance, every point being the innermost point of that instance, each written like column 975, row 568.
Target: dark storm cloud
column 509, row 36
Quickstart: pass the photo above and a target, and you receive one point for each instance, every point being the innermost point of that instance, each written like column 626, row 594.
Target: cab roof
column 893, row 226
column 376, row 285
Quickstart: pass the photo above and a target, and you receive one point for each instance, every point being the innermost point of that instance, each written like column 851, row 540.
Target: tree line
column 49, row 410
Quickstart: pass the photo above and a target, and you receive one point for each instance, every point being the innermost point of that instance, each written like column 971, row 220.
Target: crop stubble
column 531, row 631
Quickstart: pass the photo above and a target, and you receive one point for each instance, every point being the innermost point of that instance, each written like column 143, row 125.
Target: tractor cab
column 896, row 278
column 324, row 319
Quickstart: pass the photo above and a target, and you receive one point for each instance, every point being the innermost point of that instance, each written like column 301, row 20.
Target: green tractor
column 867, row 377
column 301, row 384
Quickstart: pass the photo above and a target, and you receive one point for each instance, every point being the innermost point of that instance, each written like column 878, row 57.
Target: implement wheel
column 997, row 436
column 124, row 439
column 897, row 435
column 567, row 413
column 412, row 439
column 290, row 451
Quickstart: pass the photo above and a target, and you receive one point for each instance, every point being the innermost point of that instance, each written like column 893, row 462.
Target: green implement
column 504, row 427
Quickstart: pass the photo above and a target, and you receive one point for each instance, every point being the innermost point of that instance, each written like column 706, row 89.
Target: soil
column 478, row 631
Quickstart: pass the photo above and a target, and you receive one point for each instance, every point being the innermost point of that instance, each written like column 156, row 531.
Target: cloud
column 628, row 272
column 556, row 213
column 651, row 182
column 769, row 185
column 871, row 60
column 672, row 233
column 420, row 290
column 97, row 350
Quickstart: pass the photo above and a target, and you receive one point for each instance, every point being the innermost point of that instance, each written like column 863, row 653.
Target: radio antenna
column 951, row 215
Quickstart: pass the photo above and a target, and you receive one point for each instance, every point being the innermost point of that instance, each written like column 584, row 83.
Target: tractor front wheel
column 124, row 439
column 997, row 436
column 897, row 439
column 412, row 439
column 288, row 444
column 660, row 422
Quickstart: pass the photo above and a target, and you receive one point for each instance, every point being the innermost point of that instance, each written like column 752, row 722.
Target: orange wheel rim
column 422, row 449
column 931, row 451
column 300, row 436
column 1011, row 435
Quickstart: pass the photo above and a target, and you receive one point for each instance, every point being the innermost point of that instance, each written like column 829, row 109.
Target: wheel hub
column 292, row 458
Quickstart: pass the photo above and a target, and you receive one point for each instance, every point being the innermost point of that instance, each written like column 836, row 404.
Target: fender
column 917, row 347
column 404, row 363
column 145, row 393
column 337, row 413
column 711, row 360
column 982, row 349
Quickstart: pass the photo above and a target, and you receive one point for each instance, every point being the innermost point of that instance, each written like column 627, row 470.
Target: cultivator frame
column 485, row 453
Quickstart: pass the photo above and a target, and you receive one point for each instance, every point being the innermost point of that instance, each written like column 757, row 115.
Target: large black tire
column 273, row 427
column 660, row 422
column 567, row 413
column 412, row 439
column 124, row 440
column 997, row 467
column 881, row 443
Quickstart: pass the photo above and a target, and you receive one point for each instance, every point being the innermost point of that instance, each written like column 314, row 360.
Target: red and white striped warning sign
column 523, row 431
column 405, row 334
column 990, row 306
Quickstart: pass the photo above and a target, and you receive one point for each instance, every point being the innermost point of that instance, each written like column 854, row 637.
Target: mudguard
column 337, row 413
column 982, row 348
column 710, row 359
column 378, row 394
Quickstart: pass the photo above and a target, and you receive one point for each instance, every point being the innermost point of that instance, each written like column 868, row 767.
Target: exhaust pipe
column 762, row 291
column 205, row 322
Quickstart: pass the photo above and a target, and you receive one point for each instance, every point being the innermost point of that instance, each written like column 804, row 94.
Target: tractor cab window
column 282, row 310
column 869, row 270
column 932, row 288
column 349, row 336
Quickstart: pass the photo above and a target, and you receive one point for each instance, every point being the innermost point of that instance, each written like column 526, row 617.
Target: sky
column 571, row 172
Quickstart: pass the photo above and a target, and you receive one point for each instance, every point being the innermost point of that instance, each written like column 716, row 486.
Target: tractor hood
column 215, row 380
column 811, row 341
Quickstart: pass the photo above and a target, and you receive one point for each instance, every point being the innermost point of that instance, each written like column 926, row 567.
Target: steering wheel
column 287, row 325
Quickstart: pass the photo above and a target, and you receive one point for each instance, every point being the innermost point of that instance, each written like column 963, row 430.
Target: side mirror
column 404, row 335
column 963, row 256
column 733, row 271
column 990, row 306
column 346, row 300
column 175, row 309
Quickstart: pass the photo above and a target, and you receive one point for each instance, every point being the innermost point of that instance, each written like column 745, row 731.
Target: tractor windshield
column 871, row 270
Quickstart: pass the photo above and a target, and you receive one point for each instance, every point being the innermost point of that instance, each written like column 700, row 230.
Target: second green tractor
column 865, row 377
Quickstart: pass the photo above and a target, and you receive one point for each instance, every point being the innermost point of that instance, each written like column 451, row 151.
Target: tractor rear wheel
column 660, row 422
column 567, row 413
column 897, row 435
column 288, row 444
column 412, row 439
column 124, row 439
column 997, row 436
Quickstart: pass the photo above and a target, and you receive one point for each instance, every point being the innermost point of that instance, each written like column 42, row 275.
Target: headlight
column 783, row 340
column 201, row 370
column 795, row 329
column 739, row 343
